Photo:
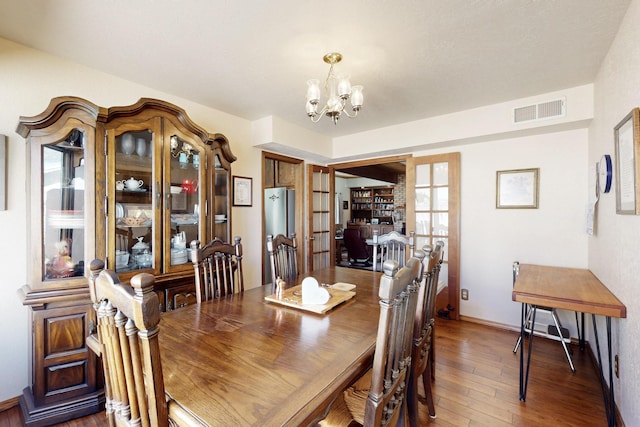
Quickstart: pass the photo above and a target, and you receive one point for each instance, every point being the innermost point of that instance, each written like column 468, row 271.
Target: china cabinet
column 64, row 377
column 131, row 185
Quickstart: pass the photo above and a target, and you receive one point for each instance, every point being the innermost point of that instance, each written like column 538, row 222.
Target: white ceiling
column 415, row 58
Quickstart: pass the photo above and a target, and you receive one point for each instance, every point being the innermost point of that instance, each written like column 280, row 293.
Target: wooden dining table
column 243, row 361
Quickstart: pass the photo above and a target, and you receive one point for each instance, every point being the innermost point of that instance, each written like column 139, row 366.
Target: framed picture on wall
column 242, row 190
column 627, row 170
column 517, row 189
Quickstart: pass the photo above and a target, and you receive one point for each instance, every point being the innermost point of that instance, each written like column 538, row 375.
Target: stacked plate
column 179, row 256
column 122, row 259
column 65, row 218
column 219, row 219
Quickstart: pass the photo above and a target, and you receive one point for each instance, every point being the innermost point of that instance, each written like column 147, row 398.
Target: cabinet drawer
column 180, row 296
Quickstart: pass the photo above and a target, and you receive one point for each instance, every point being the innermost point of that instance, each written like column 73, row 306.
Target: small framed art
column 242, row 190
column 627, row 169
column 517, row 189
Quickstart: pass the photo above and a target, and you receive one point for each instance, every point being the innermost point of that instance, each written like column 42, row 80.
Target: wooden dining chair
column 124, row 239
column 378, row 397
column 431, row 303
column 218, row 268
column 126, row 339
column 283, row 259
column 392, row 245
column 423, row 332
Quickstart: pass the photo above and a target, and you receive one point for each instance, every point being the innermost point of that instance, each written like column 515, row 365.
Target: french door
column 320, row 244
column 433, row 212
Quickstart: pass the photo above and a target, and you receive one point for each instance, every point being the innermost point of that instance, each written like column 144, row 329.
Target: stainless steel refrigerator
column 280, row 217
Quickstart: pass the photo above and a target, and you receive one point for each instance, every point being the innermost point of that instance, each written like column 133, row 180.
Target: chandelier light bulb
column 356, row 97
column 344, row 87
column 313, row 91
column 334, row 104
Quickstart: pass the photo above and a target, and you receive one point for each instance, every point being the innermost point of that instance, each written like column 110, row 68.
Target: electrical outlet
column 616, row 366
column 464, row 294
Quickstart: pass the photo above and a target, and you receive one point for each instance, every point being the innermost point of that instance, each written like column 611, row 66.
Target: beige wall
column 614, row 252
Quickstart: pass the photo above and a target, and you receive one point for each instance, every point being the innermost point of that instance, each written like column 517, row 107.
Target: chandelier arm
column 355, row 113
column 319, row 115
column 316, row 118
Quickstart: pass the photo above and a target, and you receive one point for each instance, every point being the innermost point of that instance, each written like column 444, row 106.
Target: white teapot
column 133, row 184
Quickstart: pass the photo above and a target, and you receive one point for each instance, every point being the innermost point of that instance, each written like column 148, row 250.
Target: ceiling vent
column 541, row 111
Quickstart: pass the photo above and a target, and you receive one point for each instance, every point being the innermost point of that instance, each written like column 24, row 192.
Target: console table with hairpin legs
column 573, row 289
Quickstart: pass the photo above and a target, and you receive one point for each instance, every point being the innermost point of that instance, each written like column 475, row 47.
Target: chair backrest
column 283, row 259
column 432, row 276
column 393, row 246
column 357, row 248
column 127, row 333
column 124, row 239
column 218, row 268
column 426, row 306
column 392, row 358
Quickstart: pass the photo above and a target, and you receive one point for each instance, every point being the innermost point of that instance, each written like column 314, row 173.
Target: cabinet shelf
column 133, row 162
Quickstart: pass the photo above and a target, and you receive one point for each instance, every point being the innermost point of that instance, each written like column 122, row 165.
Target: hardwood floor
column 477, row 384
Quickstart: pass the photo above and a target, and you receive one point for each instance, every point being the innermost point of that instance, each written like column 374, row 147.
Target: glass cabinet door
column 184, row 198
column 63, row 200
column 221, row 187
column 134, row 216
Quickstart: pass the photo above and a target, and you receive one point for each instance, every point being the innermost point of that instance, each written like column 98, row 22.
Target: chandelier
column 337, row 89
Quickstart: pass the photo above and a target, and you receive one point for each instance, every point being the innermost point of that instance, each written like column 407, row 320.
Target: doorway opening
column 282, row 203
column 369, row 195
column 426, row 197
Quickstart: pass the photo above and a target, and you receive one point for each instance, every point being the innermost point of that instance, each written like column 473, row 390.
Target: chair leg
column 432, row 353
column 411, row 400
column 515, row 347
column 556, row 322
column 426, row 382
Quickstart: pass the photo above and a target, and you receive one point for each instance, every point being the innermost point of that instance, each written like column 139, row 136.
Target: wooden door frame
column 367, row 162
column 299, row 209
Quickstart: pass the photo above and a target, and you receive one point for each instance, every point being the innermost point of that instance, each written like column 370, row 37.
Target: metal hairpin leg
column 524, row 377
column 580, row 326
column 609, row 401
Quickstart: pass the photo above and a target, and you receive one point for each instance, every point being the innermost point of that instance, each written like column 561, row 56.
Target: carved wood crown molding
column 93, row 114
